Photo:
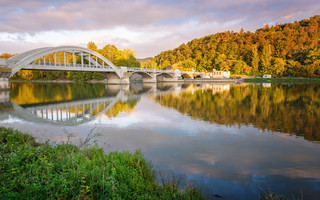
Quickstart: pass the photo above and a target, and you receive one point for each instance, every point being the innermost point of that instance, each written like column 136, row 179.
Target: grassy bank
column 30, row 170
column 283, row 80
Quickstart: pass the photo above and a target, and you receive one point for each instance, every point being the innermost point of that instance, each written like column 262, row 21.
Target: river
column 235, row 141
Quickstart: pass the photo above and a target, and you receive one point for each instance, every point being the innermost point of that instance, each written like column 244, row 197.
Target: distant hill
column 281, row 50
column 144, row 60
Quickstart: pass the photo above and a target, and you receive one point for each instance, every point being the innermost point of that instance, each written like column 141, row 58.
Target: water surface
column 233, row 140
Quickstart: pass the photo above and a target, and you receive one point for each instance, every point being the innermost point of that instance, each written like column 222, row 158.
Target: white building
column 266, row 76
column 220, row 74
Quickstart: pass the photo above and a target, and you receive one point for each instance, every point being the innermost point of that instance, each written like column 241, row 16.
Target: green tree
column 92, row 46
column 255, row 59
column 266, row 58
column 187, row 65
column 278, row 66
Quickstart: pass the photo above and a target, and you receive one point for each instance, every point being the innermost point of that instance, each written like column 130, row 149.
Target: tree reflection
column 291, row 109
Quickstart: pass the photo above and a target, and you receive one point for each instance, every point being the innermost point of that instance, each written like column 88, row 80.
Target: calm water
column 233, row 140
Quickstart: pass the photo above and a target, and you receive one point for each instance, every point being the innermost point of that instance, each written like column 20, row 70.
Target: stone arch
column 146, row 77
column 186, row 75
column 164, row 76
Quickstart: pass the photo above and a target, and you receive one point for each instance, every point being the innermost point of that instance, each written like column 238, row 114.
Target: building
column 266, row 76
column 220, row 74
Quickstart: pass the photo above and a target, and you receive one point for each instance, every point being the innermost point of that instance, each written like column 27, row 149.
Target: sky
column 146, row 26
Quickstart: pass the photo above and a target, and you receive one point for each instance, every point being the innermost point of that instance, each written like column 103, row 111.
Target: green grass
column 283, row 80
column 30, row 170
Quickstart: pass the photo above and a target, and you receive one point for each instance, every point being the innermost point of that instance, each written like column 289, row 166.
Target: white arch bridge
column 72, row 58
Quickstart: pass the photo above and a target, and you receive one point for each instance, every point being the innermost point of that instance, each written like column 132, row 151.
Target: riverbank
column 32, row 170
column 283, row 80
column 106, row 82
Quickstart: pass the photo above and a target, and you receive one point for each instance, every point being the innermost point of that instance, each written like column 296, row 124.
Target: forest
column 291, row 49
column 118, row 57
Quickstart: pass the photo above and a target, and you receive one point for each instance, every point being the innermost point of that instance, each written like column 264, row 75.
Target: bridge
column 73, row 58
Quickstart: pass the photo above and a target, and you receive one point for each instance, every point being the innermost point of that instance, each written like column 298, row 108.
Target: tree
column 278, row 66
column 110, row 52
column 151, row 64
column 266, row 58
column 6, row 55
column 255, row 59
column 221, row 58
column 92, row 46
column 187, row 65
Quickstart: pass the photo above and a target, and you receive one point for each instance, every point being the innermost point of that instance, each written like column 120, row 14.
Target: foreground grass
column 283, row 80
column 30, row 170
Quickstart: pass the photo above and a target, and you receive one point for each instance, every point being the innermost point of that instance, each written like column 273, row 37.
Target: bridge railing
column 11, row 61
column 148, row 70
column 69, row 65
column 98, row 66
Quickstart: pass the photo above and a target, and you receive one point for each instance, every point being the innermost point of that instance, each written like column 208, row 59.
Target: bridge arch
column 145, row 76
column 24, row 59
column 165, row 76
column 186, row 75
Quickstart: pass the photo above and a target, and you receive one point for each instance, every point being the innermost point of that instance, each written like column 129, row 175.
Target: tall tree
column 255, row 59
column 266, row 59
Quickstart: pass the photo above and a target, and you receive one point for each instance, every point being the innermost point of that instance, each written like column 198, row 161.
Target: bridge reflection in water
column 81, row 109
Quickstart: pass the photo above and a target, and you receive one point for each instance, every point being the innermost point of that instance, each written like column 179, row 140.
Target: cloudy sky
column 147, row 26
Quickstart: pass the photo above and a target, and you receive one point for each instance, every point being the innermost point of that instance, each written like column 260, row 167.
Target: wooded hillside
column 281, row 50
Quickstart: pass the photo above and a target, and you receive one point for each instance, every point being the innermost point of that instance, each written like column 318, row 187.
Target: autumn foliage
column 291, row 49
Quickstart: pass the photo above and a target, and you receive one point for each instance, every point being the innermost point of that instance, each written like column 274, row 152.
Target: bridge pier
column 149, row 80
column 113, row 78
column 5, row 72
column 4, row 83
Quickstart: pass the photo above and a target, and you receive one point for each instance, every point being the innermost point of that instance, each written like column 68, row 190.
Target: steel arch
column 21, row 60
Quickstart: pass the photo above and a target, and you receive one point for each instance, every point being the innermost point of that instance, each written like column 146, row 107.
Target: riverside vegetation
column 31, row 170
column 290, row 49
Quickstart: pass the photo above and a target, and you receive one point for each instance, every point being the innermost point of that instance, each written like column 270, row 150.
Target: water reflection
column 291, row 109
column 71, row 104
column 232, row 139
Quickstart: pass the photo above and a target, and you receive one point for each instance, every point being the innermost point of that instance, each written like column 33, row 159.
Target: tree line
column 118, row 57
column 291, row 49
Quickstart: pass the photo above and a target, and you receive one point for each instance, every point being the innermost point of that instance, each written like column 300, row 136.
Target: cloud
column 148, row 26
column 292, row 15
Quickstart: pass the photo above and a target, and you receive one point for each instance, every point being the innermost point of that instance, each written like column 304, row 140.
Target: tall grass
column 30, row 170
